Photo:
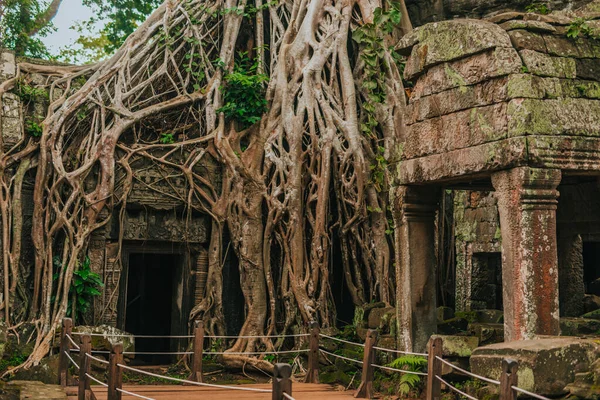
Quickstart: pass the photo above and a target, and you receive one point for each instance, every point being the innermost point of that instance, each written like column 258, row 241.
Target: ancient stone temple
column 510, row 105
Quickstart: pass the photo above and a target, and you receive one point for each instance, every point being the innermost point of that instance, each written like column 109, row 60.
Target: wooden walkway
column 301, row 391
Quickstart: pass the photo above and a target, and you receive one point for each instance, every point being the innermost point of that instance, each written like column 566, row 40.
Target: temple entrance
column 151, row 300
column 591, row 267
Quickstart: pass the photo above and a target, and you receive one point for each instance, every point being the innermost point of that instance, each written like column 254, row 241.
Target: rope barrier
column 528, row 393
column 257, row 337
column 107, row 335
column 97, row 359
column 287, row 396
column 338, row 356
column 216, row 353
column 341, row 340
column 134, row 394
column 401, row 352
column 192, row 382
column 455, row 389
column 72, row 341
column 71, row 359
column 96, row 380
column 472, row 375
column 399, row 370
column 158, row 353
column 93, row 351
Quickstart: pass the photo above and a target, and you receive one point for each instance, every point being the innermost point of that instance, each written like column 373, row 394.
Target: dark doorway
column 591, row 265
column 149, row 307
column 486, row 281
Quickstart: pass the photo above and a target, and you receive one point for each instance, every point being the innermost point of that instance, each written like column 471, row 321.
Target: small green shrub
column 409, row 382
column 28, row 93
column 580, row 27
column 167, row 138
column 244, row 92
column 33, row 128
column 538, row 8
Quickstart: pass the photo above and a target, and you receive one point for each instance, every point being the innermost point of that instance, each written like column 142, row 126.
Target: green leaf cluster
column 409, row 382
column 244, row 92
column 28, row 93
column 22, row 25
column 85, row 286
column 33, row 128
column 167, row 138
column 580, row 27
column 538, row 8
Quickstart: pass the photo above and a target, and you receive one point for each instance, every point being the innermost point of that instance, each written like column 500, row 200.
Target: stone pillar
column 571, row 287
column 527, row 201
column 415, row 211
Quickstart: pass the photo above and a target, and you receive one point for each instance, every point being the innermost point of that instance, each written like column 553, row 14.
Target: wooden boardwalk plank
column 301, row 391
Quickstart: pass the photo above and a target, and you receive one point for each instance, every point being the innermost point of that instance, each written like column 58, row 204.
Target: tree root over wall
column 301, row 174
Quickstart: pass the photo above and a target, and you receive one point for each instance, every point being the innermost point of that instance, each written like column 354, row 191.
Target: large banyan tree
column 299, row 102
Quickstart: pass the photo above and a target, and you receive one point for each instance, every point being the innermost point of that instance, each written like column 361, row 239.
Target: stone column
column 415, row 211
column 527, row 201
column 570, row 275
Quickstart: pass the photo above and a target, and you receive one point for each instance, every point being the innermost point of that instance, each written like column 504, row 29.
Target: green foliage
column 538, row 8
column 470, row 316
column 378, row 169
column 124, row 16
column 244, row 92
column 88, row 47
column 28, row 93
column 14, row 360
column 409, row 382
column 19, row 20
column 33, row 128
column 84, row 287
column 580, row 27
column 167, row 138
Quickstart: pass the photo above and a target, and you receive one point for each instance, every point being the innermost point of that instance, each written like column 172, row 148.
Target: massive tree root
column 302, row 174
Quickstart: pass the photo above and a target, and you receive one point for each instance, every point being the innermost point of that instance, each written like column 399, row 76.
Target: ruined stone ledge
column 497, row 90
column 577, row 154
column 529, row 25
column 491, row 64
column 446, row 41
column 463, row 164
column 544, row 65
column 578, row 117
column 469, row 128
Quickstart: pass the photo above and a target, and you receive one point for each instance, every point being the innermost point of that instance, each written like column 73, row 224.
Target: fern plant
column 409, row 382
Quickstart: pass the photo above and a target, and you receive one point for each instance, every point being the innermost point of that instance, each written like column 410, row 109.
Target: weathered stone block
column 486, row 157
column 489, row 316
column 533, row 26
column 591, row 303
column 546, row 365
column 579, row 326
column 453, row 326
column 444, row 313
column 522, row 39
column 457, row 346
column 564, row 152
column 487, row 333
column 449, row 40
column 564, row 47
column 553, row 117
column 472, row 127
column 8, row 66
column 544, row 65
column 381, row 317
column 105, row 336
column 588, row 69
column 468, row 71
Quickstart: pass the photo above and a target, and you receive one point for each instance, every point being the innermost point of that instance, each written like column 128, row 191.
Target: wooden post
column 198, row 352
column 434, row 367
column 508, row 379
column 281, row 380
column 312, row 376
column 85, row 348
column 65, row 347
column 115, row 373
column 365, row 390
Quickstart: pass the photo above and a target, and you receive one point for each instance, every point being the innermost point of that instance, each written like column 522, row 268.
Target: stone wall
column 477, row 241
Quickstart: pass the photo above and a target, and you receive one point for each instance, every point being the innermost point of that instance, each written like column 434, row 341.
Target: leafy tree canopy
column 24, row 23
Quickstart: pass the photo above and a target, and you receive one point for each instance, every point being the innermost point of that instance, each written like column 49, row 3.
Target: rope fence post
column 434, row 368
column 65, row 347
column 508, row 379
column 85, row 349
column 115, row 373
column 312, row 375
column 365, row 390
column 198, row 352
column 281, row 381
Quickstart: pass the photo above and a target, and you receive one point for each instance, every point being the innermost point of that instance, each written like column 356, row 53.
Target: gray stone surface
column 546, row 365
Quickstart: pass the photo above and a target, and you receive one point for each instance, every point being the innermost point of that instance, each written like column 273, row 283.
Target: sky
column 70, row 11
